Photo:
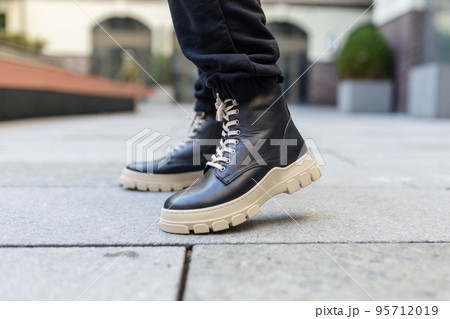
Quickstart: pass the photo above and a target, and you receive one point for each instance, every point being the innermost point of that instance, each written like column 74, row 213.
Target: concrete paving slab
column 386, row 179
column 338, row 173
column 104, row 216
column 61, row 174
column 306, row 272
column 101, row 138
column 359, row 150
column 85, row 139
column 150, row 273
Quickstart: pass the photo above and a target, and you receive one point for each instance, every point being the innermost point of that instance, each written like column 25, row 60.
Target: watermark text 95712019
column 389, row 311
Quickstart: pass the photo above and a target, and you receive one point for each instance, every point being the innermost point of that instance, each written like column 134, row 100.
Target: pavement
column 376, row 226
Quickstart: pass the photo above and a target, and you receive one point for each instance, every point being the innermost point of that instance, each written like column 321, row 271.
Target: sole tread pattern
column 291, row 186
column 158, row 182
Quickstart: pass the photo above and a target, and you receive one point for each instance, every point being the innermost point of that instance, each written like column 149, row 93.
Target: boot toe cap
column 137, row 167
column 176, row 202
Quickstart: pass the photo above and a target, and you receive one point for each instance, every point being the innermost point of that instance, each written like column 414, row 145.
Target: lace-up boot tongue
column 225, row 111
column 255, row 133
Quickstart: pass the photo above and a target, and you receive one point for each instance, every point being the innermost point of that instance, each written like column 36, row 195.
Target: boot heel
column 315, row 174
column 308, row 174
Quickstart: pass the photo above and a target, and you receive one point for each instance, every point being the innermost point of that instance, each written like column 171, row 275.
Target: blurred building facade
column 305, row 29
column 75, row 37
column 418, row 32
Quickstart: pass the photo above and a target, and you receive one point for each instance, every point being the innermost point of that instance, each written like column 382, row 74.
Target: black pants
column 230, row 44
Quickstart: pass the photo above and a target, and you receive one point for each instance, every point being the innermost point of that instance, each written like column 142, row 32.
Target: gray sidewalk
column 376, row 225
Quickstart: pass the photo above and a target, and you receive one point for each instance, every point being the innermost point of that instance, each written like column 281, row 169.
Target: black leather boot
column 185, row 164
column 261, row 154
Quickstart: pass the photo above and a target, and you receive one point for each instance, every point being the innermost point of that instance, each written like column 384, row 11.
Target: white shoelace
column 224, row 110
column 199, row 119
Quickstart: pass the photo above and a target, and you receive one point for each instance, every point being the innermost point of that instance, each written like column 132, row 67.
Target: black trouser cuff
column 205, row 105
column 245, row 89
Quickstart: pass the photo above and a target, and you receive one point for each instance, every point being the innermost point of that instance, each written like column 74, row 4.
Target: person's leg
column 204, row 96
column 229, row 41
column 262, row 154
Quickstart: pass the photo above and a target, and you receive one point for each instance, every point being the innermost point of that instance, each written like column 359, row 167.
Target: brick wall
column 322, row 84
column 405, row 35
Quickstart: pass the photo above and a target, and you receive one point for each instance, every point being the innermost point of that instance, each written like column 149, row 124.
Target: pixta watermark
column 146, row 147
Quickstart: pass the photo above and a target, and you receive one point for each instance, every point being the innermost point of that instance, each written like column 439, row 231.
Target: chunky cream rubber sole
column 158, row 182
column 279, row 180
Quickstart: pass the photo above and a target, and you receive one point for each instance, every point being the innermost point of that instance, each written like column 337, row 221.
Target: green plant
column 2, row 21
column 23, row 41
column 365, row 55
column 161, row 68
column 38, row 44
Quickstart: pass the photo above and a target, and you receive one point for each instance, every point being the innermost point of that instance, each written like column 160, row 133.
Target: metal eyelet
column 237, row 122
column 237, row 142
column 238, row 132
column 237, row 111
column 228, row 161
column 222, row 169
column 233, row 151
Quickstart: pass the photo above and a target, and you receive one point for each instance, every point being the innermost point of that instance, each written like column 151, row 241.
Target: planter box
column 429, row 90
column 365, row 95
